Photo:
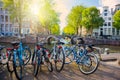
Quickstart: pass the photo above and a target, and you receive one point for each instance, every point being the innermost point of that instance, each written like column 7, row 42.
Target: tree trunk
column 91, row 31
column 77, row 30
column 80, row 31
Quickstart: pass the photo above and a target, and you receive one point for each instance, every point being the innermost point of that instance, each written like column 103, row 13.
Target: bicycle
column 20, row 55
column 96, row 50
column 41, row 56
column 57, row 55
column 82, row 57
column 10, row 59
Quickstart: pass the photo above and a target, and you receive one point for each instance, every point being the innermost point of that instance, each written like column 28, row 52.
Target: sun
column 35, row 9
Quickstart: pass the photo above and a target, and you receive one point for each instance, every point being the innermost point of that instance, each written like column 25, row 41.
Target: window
column 117, row 32
column 10, row 27
column 105, row 18
column 6, row 27
column 27, row 31
column 113, row 31
column 105, row 14
column 109, row 18
column 101, row 28
column 2, row 18
column 109, row 23
column 6, row 18
column 105, row 10
column 105, row 24
column 2, row 27
column 109, row 31
column 105, row 31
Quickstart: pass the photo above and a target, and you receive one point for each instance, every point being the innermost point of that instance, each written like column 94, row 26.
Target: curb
column 109, row 59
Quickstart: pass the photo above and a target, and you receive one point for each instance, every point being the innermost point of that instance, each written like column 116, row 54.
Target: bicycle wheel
column 89, row 64
column 59, row 60
column 49, row 64
column 69, row 56
column 3, row 57
column 26, row 55
column 10, row 62
column 36, row 61
column 17, row 66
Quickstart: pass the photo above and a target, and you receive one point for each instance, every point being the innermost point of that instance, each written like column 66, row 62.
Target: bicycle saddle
column 40, row 44
column 15, row 43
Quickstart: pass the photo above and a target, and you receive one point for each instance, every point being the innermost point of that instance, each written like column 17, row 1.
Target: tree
column 91, row 19
column 55, row 29
column 75, row 18
column 17, row 10
column 69, row 30
column 48, row 16
column 20, row 9
column 116, row 18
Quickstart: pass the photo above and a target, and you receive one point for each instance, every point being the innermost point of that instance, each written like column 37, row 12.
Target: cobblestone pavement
column 70, row 72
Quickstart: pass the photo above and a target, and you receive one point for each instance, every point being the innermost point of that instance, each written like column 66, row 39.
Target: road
column 70, row 72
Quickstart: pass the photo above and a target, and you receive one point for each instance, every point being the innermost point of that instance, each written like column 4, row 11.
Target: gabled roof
column 117, row 5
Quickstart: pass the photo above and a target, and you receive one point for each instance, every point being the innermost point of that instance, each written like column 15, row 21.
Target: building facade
column 7, row 28
column 5, row 24
column 107, row 29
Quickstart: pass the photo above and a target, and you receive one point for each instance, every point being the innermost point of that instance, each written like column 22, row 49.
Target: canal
column 112, row 49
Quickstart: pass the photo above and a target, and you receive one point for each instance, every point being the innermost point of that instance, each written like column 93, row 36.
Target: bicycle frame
column 18, row 52
column 76, row 54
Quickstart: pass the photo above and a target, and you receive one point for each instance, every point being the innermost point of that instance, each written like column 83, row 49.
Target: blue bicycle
column 86, row 61
column 20, row 55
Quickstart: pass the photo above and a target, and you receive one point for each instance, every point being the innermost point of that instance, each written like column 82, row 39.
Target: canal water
column 112, row 49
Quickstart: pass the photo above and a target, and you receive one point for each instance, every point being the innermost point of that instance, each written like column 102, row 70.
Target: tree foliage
column 20, row 9
column 91, row 19
column 74, row 18
column 69, row 30
column 116, row 18
column 48, row 16
column 55, row 29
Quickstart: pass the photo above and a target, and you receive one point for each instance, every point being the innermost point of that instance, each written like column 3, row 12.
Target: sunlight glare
column 35, row 9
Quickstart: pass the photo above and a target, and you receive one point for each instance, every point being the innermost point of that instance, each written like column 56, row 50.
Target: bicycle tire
column 36, row 62
column 57, row 57
column 47, row 59
column 27, row 53
column 17, row 73
column 49, row 66
column 82, row 67
column 10, row 60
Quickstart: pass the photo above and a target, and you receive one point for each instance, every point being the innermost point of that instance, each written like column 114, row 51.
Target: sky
column 64, row 6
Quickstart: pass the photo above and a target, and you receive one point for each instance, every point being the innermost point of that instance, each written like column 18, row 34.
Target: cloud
column 110, row 3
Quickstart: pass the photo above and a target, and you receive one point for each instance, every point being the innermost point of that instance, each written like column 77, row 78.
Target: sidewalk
column 112, row 59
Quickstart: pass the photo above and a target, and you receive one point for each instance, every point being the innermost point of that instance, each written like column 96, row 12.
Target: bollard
column 106, row 51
